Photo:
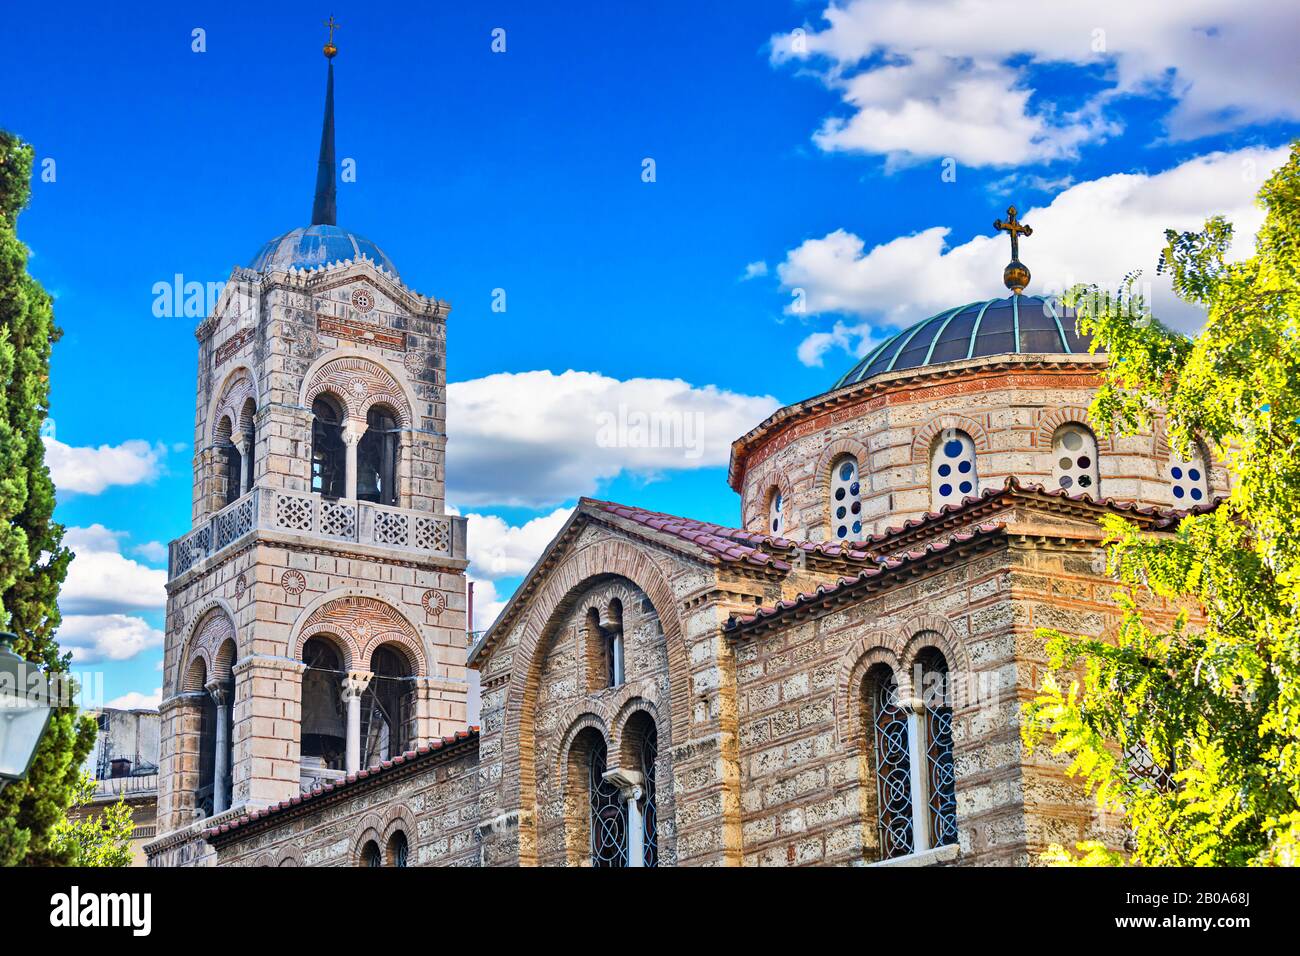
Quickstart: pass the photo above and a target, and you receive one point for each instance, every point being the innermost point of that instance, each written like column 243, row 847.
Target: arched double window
column 1188, row 481
column 329, row 454
column 1074, row 460
column 916, row 803
column 846, row 503
column 377, row 458
column 953, row 474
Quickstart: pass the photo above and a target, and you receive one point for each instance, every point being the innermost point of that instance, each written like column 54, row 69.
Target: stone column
column 354, row 685
column 219, row 691
column 917, row 748
column 245, row 466
column 352, row 433
column 631, row 788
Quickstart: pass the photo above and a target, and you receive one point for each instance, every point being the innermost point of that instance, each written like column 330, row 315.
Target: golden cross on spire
column 1016, row 228
column 1015, row 276
column 330, row 49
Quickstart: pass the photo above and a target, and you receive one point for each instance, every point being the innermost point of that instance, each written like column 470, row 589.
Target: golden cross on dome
column 1016, row 228
column 330, row 48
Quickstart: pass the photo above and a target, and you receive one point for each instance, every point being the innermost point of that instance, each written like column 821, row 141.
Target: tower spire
column 324, row 210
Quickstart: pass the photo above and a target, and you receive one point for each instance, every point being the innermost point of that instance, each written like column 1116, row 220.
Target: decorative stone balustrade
column 295, row 512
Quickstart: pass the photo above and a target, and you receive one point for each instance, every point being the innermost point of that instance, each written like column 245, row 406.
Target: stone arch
column 411, row 649
column 925, row 435
column 772, row 479
column 601, row 560
column 238, row 387
column 1049, row 420
column 877, row 647
column 289, row 856
column 931, row 630
column 370, row 827
column 584, row 714
column 194, row 677
column 213, row 623
column 340, row 611
column 357, row 380
column 397, row 817
column 223, row 660
column 639, row 703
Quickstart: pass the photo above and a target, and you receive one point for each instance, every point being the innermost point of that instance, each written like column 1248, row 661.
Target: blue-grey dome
column 314, row 246
column 1029, row 324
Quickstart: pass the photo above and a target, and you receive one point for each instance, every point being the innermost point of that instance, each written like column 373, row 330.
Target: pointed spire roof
column 324, row 209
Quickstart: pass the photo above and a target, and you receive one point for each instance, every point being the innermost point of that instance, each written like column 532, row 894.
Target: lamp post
column 25, row 710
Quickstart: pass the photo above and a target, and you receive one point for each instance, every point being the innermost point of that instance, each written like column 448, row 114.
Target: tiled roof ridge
column 885, row 565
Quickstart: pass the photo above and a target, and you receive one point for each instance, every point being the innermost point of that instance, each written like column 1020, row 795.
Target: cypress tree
column 33, row 560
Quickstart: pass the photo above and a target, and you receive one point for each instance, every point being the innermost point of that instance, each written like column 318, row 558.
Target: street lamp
column 25, row 710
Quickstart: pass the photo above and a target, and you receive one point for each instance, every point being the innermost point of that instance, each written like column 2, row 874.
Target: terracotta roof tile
column 373, row 771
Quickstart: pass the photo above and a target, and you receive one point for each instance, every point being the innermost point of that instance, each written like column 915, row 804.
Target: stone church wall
column 808, row 786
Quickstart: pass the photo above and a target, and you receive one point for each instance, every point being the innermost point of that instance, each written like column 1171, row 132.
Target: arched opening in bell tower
column 388, row 706
column 377, row 457
column 324, row 725
column 329, row 454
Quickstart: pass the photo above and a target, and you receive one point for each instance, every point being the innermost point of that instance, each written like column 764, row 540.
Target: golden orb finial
column 331, row 50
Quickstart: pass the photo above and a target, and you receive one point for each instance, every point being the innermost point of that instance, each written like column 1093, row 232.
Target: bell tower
column 316, row 613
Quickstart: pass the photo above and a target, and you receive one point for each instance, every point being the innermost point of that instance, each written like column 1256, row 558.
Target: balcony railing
column 361, row 522
column 110, row 788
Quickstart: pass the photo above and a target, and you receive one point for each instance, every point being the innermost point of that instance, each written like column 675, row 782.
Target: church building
column 836, row 680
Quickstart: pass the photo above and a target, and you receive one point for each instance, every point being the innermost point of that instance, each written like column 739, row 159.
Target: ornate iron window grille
column 608, row 815
column 372, row 855
column 650, row 816
column 893, row 771
column 940, row 776
column 401, row 849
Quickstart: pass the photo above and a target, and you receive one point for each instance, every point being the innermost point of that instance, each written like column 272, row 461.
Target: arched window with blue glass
column 846, row 500
column 953, row 473
column 1189, row 482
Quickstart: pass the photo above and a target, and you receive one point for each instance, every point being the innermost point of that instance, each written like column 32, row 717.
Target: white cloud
column 91, row 470
column 134, row 700
column 536, row 439
column 154, row 551
column 487, row 603
column 954, row 78
column 1095, row 231
column 501, row 550
column 101, row 580
column 93, row 638
column 754, row 270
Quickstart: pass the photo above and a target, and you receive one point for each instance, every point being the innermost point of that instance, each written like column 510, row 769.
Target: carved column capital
column 218, row 690
column 355, row 684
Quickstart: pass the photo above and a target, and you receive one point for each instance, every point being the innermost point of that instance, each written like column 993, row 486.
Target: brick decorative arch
column 831, row 454
column 1050, row 420
column 933, row 630
column 644, row 700
column 213, row 625
column 370, row 828
column 603, row 559
column 876, row 647
column 238, row 388
column 772, row 477
column 358, row 382
column 924, row 437
column 360, row 623
column 290, row 854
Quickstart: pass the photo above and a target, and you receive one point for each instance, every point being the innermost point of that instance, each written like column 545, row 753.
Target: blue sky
column 812, row 162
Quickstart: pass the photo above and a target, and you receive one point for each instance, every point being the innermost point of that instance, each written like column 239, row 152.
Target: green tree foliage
column 96, row 839
column 1211, row 700
column 33, row 561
